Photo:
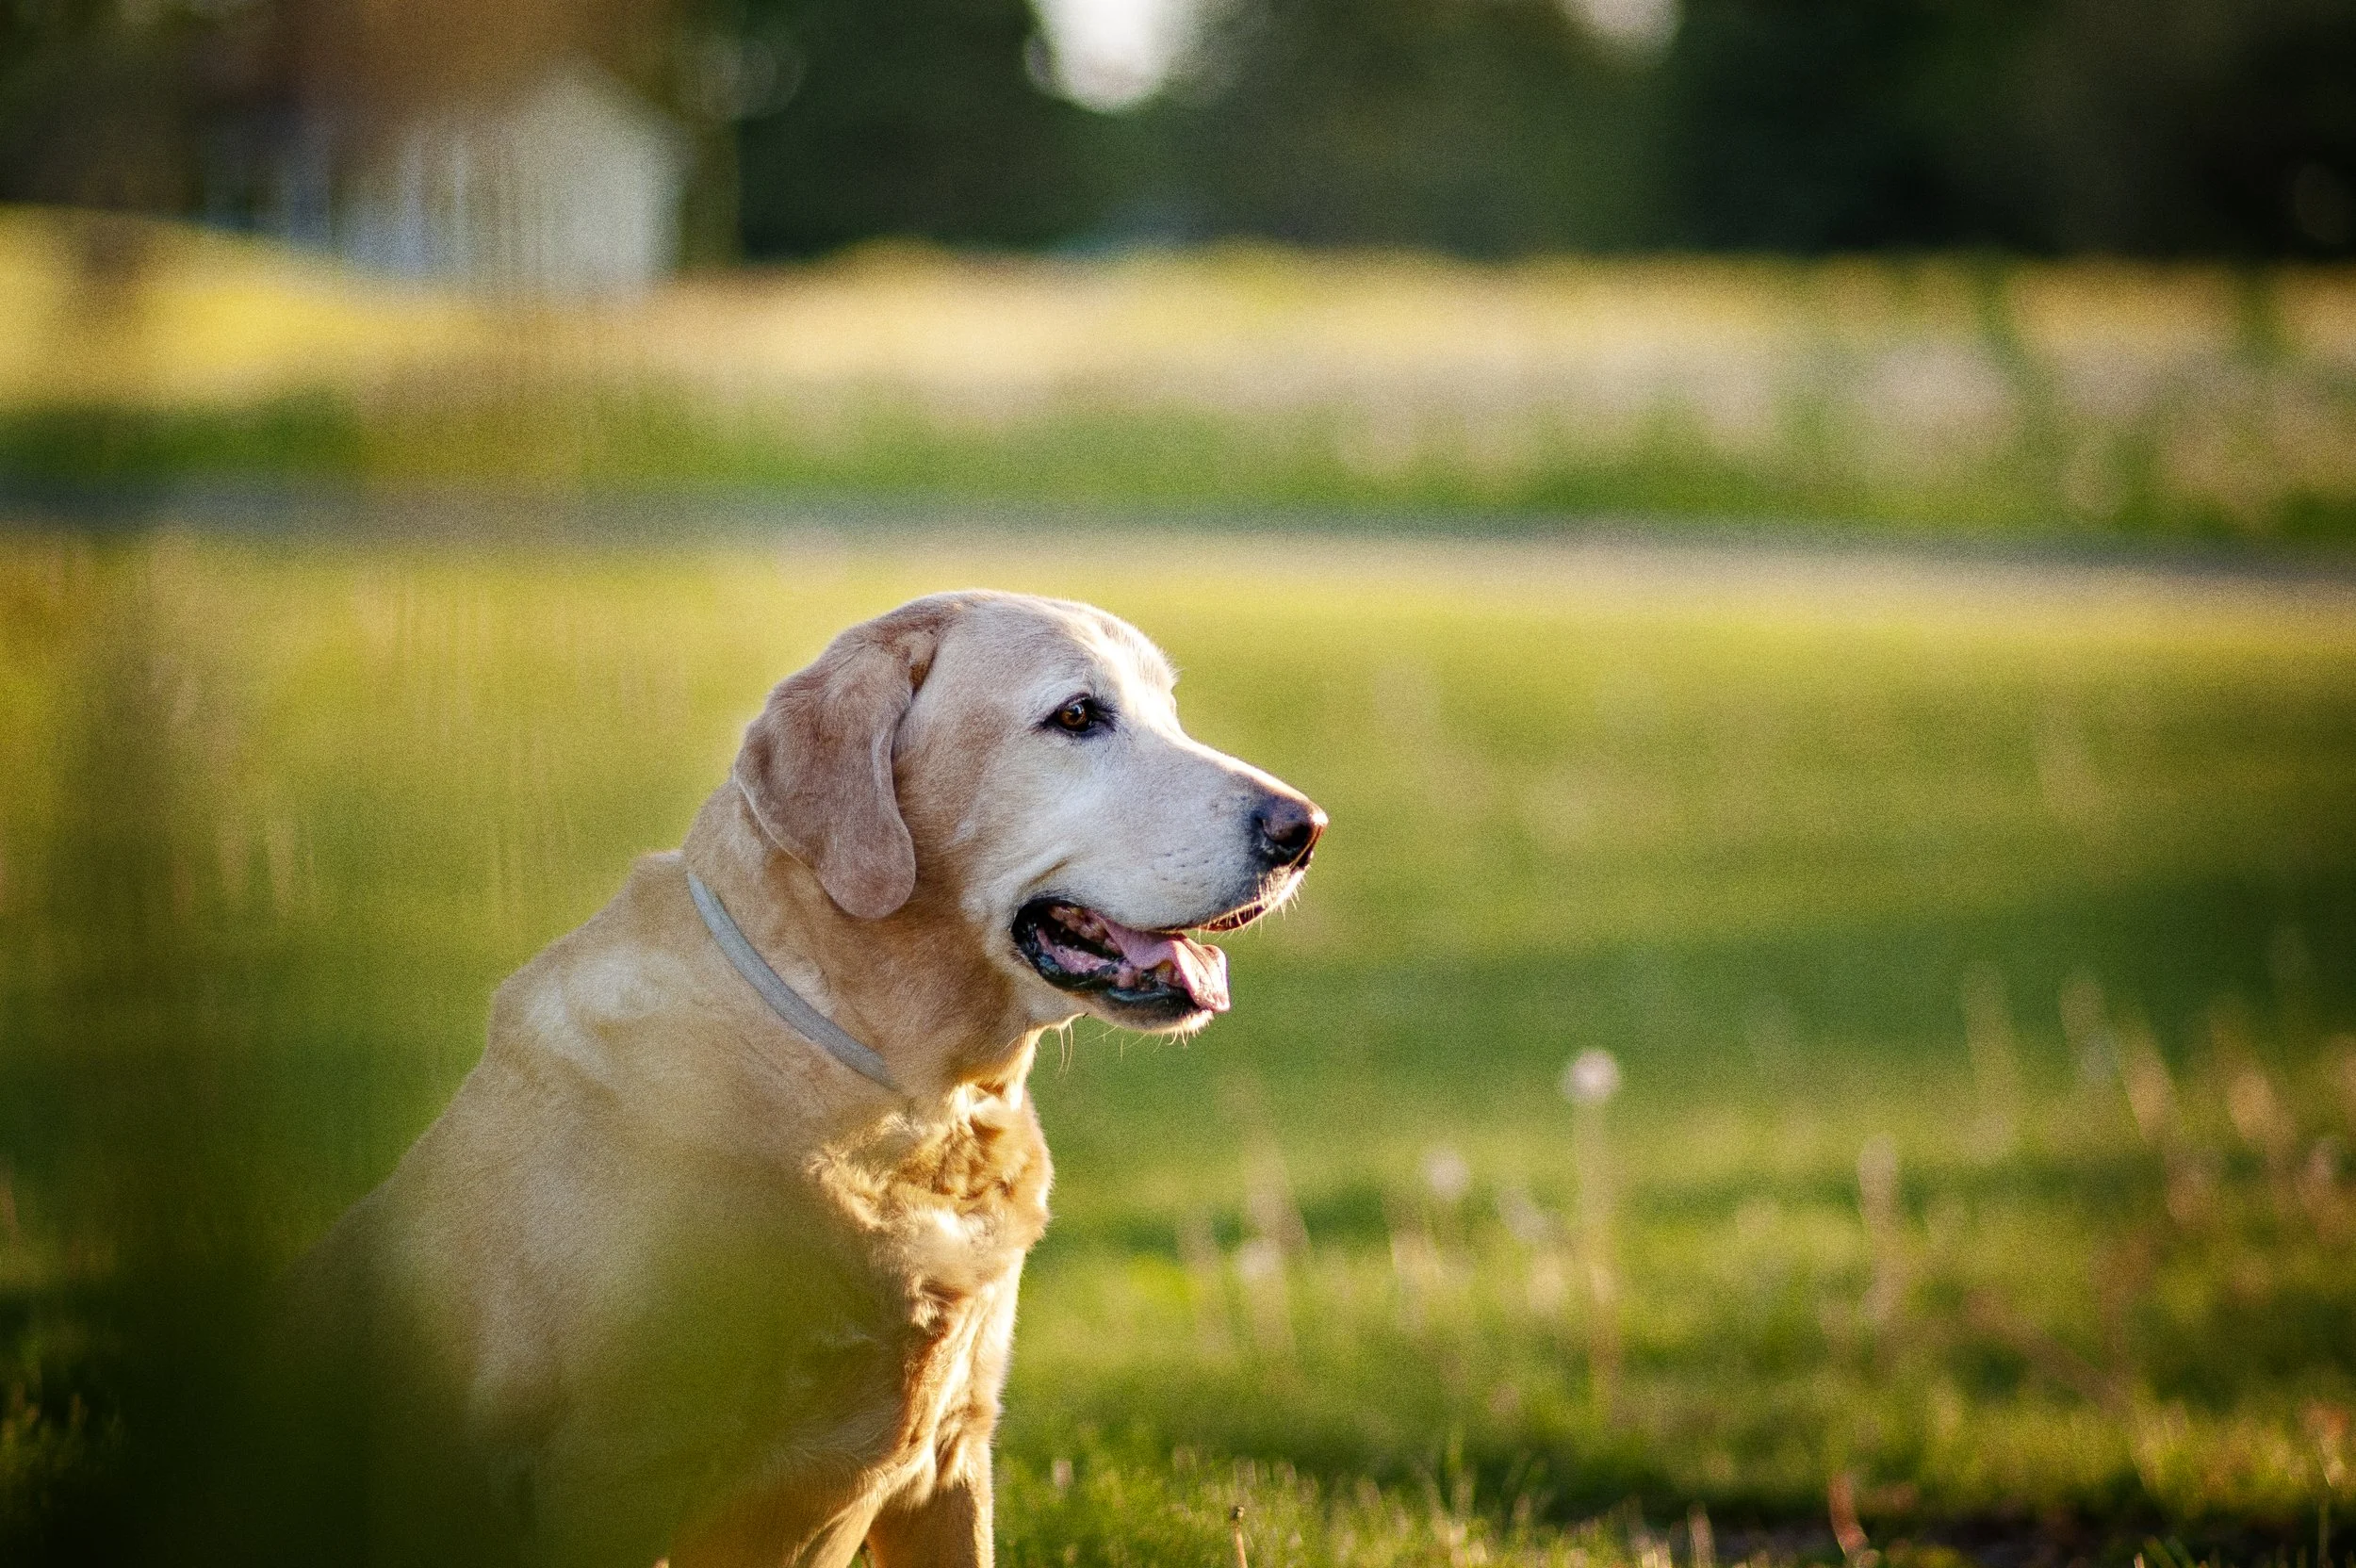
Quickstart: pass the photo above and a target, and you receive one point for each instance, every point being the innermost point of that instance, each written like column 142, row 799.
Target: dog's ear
column 816, row 766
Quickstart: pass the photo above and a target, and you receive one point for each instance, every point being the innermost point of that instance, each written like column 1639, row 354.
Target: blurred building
column 525, row 147
column 572, row 185
column 529, row 146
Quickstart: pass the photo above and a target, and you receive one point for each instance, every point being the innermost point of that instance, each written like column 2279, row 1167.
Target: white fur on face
column 1141, row 821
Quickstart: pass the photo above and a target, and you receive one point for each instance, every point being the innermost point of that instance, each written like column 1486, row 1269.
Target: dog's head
column 1021, row 759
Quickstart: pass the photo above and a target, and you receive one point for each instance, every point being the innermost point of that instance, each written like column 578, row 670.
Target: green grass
column 669, row 446
column 1976, row 950
column 1904, row 395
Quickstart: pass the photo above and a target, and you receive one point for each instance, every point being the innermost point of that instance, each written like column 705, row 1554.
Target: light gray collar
column 783, row 1000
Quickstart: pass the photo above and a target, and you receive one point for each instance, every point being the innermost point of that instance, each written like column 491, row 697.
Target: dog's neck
column 938, row 1013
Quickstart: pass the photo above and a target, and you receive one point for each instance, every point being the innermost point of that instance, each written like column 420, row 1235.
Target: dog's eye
column 1079, row 716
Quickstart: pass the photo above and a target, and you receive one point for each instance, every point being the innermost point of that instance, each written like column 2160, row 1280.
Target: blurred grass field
column 1973, row 946
column 1971, row 394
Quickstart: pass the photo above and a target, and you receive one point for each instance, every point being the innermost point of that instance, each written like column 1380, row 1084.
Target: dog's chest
column 942, row 1217
column 959, row 1204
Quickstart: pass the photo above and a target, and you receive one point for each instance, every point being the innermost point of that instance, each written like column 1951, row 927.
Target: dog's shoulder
column 620, row 966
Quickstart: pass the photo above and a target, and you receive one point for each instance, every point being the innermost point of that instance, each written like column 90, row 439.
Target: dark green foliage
column 913, row 119
column 2188, row 127
column 1490, row 127
column 1481, row 127
column 2182, row 127
column 95, row 111
column 1817, row 124
column 292, row 438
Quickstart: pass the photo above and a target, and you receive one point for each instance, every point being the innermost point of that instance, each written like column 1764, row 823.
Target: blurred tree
column 1812, row 124
column 2202, row 127
column 1483, row 127
column 2151, row 126
column 1487, row 127
column 920, row 118
column 94, row 106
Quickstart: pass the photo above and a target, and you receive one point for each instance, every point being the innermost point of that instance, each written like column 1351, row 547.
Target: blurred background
column 1805, row 544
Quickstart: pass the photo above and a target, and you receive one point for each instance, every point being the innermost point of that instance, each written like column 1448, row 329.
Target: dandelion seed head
column 1447, row 1173
column 1591, row 1077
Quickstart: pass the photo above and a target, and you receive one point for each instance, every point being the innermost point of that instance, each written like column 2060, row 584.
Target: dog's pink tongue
column 1199, row 967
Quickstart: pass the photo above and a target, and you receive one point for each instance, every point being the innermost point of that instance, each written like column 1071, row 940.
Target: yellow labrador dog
column 714, row 1256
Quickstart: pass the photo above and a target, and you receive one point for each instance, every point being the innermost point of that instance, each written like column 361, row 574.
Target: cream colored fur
column 666, row 1278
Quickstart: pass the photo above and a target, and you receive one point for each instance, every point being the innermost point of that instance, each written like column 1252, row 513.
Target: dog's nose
column 1285, row 830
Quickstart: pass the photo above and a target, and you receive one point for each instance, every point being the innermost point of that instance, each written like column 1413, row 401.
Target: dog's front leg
column 948, row 1526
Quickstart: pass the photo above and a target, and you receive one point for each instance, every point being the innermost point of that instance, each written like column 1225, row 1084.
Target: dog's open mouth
column 1163, row 975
